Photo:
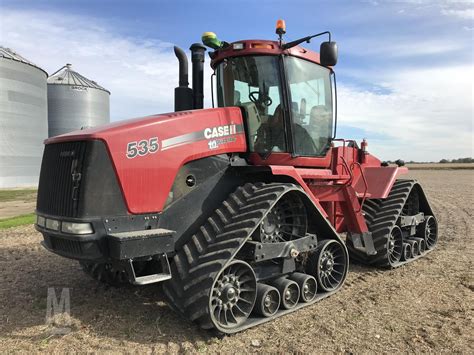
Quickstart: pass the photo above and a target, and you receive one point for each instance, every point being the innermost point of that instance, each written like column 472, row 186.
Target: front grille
column 78, row 180
column 60, row 178
column 66, row 246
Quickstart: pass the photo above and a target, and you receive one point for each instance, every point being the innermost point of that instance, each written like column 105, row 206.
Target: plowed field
column 424, row 306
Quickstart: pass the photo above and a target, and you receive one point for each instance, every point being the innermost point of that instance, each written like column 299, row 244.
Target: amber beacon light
column 280, row 27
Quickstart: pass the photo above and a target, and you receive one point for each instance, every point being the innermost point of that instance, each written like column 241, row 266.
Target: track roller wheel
column 289, row 291
column 268, row 300
column 406, row 251
column 307, row 284
column 328, row 264
column 428, row 230
column 415, row 248
column 233, row 295
column 421, row 245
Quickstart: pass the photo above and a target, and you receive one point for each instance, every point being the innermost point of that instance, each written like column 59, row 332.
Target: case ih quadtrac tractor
column 244, row 212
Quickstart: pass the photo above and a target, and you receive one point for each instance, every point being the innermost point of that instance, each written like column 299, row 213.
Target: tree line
column 442, row 161
column 460, row 160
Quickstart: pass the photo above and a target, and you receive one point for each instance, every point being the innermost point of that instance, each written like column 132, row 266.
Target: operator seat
column 271, row 136
column 320, row 121
column 237, row 101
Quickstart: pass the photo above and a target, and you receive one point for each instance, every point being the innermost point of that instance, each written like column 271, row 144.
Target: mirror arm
column 335, row 105
column 213, row 75
column 304, row 39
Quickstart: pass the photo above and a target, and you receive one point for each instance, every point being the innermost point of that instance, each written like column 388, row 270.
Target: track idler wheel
column 307, row 284
column 268, row 300
column 428, row 231
column 406, row 254
column 289, row 291
column 233, row 295
column 395, row 245
column 328, row 264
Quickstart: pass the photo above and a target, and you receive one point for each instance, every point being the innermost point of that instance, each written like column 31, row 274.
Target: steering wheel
column 267, row 101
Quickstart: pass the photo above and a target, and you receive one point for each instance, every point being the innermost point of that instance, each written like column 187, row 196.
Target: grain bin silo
column 23, row 119
column 75, row 102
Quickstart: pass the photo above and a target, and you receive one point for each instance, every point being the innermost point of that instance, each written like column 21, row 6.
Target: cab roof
column 261, row 47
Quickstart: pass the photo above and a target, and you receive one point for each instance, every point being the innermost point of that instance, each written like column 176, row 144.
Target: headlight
column 77, row 228
column 52, row 224
column 40, row 221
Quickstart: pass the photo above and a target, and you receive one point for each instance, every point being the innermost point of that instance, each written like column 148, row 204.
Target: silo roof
column 67, row 76
column 8, row 53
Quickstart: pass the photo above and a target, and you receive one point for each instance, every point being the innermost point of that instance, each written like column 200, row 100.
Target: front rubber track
column 196, row 265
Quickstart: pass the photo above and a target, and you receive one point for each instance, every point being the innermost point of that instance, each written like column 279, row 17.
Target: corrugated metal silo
column 23, row 119
column 75, row 102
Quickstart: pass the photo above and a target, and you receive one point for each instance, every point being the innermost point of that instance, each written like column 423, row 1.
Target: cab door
column 311, row 106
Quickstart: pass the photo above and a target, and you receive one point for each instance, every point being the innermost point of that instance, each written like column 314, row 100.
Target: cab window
column 253, row 82
column 311, row 106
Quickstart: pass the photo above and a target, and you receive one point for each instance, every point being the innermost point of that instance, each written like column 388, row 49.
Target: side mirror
column 328, row 54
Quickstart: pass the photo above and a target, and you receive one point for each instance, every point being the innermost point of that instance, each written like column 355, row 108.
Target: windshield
column 311, row 106
column 254, row 83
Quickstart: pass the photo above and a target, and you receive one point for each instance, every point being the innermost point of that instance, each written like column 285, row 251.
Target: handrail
column 354, row 150
column 351, row 175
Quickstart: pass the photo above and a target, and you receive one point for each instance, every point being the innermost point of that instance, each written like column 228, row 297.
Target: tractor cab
column 286, row 93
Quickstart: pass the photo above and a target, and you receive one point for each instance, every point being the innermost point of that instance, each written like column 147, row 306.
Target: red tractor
column 244, row 212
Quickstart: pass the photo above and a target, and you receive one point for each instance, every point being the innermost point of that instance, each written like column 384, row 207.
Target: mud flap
column 363, row 242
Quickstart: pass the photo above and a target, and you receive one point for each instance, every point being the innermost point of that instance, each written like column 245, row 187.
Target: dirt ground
column 426, row 306
column 432, row 166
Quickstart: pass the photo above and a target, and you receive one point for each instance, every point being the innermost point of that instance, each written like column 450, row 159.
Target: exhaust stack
column 183, row 94
column 197, row 58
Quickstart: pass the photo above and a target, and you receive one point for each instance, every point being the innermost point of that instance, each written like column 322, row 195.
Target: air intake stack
column 197, row 58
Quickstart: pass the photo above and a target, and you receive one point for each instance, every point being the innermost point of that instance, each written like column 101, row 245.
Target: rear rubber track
column 381, row 216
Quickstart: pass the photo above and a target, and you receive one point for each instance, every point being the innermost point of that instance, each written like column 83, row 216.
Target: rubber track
column 215, row 244
column 381, row 215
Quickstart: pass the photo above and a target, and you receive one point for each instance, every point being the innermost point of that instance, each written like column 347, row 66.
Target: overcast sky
column 405, row 71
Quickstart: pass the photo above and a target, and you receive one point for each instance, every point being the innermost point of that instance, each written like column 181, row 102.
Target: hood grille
column 60, row 178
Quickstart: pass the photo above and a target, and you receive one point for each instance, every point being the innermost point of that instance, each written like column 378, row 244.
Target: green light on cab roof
column 210, row 39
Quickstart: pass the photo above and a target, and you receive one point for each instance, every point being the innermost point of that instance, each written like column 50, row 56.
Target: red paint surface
column 336, row 184
column 147, row 180
column 251, row 48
